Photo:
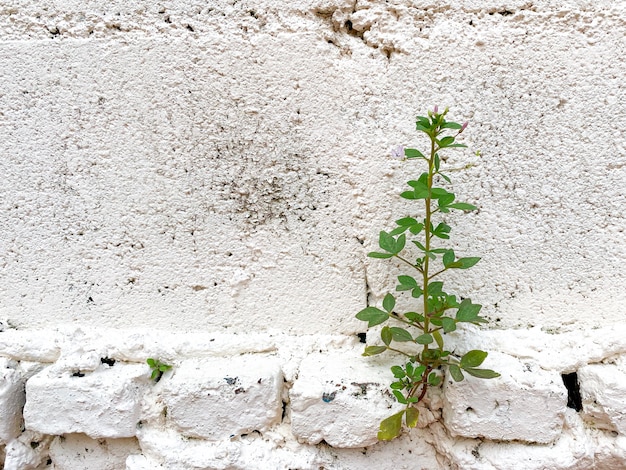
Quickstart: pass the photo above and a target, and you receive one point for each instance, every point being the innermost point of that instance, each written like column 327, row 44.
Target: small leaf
column 414, row 316
column 457, row 145
column 390, row 427
column 406, row 283
column 448, row 324
column 424, row 339
column 155, row 374
column 413, row 153
column 374, row 254
column 412, row 415
column 473, row 358
column 456, row 373
column 385, row 335
column 400, row 334
column 468, row 312
column 408, row 195
column 451, row 125
column 151, row 362
column 415, row 229
column 438, row 339
column 462, row 206
column 374, row 350
column 446, row 141
column 417, row 292
column 389, row 302
column 399, row 396
column 435, row 288
column 448, row 258
column 397, row 386
column 398, row 372
column 467, row 262
column 434, row 379
column 387, row 242
column 482, row 373
column 374, row 316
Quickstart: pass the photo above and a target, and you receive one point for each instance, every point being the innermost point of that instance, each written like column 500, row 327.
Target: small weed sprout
column 158, row 368
column 437, row 312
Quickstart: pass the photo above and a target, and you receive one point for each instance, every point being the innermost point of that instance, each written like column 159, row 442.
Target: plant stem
column 427, row 234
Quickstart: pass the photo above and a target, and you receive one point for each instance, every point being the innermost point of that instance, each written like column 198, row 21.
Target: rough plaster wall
column 203, row 165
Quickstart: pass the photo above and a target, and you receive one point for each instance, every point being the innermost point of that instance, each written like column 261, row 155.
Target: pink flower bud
column 436, row 110
column 463, row 127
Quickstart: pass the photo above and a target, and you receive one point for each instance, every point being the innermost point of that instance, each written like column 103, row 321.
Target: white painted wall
column 222, row 177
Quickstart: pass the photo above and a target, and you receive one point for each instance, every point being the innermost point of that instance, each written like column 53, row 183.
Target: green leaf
column 398, row 372
column 414, row 316
column 456, row 373
column 437, row 162
column 465, row 263
column 424, row 339
column 442, row 231
column 385, row 335
column 482, row 373
column 451, row 125
column 397, row 386
column 434, row 379
column 374, row 254
column 412, row 415
column 448, row 324
column 468, row 312
column 155, row 374
column 462, row 206
column 374, row 350
column 399, row 396
column 448, row 258
column 389, row 302
column 390, row 427
column 435, row 288
column 374, row 316
column 457, row 145
column 446, row 141
column 415, row 229
column 438, row 339
column 400, row 242
column 473, row 358
column 387, row 242
column 408, row 195
column 407, row 283
column 417, row 292
column 413, row 153
column 151, row 362
column 400, row 334
column 164, row 367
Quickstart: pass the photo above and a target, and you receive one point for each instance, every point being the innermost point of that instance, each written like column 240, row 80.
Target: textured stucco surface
column 225, row 165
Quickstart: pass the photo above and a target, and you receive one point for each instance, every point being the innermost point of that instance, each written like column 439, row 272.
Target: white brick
column 103, row 403
column 573, row 450
column 526, row 403
column 141, row 462
column 341, row 398
column 80, row 452
column 12, row 397
column 27, row 452
column 603, row 392
column 217, row 398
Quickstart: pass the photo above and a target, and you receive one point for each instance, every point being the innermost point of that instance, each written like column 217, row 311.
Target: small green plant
column 158, row 368
column 437, row 312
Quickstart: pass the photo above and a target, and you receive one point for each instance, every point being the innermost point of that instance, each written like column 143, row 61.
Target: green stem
column 408, row 262
column 427, row 234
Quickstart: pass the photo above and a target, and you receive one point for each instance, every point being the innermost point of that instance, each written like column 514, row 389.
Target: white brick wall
column 304, row 403
column 201, row 184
